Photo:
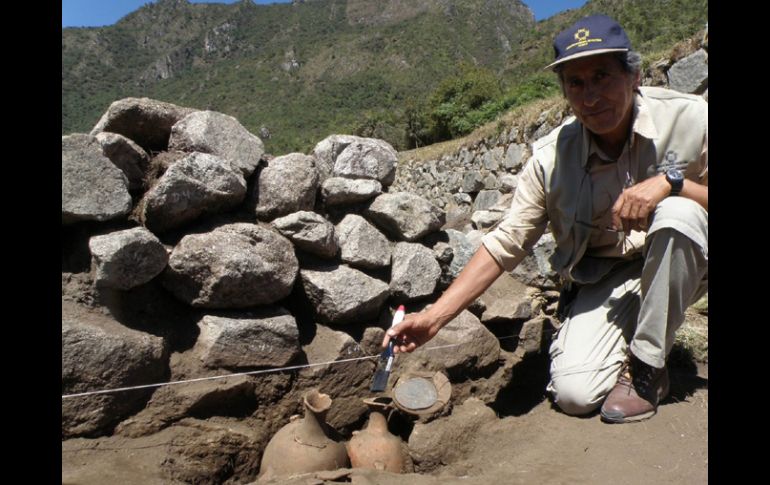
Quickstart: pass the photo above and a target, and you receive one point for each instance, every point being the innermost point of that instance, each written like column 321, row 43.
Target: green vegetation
column 305, row 71
column 466, row 101
column 459, row 102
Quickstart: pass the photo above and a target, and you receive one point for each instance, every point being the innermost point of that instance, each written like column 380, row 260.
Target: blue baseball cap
column 592, row 35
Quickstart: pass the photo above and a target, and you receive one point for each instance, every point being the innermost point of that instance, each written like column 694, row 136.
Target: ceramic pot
column 304, row 445
column 375, row 447
column 422, row 394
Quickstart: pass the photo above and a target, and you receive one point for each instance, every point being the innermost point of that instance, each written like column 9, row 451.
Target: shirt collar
column 643, row 125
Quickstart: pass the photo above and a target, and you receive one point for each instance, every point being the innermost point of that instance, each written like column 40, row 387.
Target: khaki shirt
column 570, row 183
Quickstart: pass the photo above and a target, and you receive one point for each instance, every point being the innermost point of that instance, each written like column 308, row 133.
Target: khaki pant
column 638, row 306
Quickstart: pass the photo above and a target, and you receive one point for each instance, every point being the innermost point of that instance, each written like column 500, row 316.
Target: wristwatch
column 676, row 179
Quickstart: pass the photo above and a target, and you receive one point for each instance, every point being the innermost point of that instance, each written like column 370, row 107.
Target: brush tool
column 385, row 364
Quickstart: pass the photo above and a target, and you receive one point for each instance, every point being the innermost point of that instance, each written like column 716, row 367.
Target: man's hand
column 637, row 203
column 417, row 328
column 413, row 331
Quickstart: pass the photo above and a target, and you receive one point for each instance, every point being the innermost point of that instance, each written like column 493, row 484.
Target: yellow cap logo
column 582, row 38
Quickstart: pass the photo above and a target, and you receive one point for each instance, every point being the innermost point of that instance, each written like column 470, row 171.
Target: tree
column 455, row 97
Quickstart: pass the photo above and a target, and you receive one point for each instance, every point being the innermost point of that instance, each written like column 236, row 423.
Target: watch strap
column 676, row 180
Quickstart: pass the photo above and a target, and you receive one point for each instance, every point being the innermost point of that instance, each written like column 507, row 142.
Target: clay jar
column 303, row 445
column 375, row 447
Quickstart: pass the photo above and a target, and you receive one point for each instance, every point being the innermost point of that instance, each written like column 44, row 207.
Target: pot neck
column 377, row 421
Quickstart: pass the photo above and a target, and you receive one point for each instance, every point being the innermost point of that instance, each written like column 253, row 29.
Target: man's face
column 601, row 94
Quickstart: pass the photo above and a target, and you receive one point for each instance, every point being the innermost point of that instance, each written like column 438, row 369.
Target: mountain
column 301, row 70
column 294, row 73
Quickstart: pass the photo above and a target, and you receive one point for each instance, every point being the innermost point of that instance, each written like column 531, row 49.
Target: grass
column 691, row 340
column 521, row 117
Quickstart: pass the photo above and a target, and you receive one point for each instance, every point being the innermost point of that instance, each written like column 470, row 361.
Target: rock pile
column 206, row 256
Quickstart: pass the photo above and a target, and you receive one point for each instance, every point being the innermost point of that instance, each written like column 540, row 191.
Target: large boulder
column 415, row 272
column 328, row 345
column 363, row 246
column 287, row 184
column 128, row 258
column 342, row 295
column 691, row 74
column 191, row 187
column 98, row 354
column 235, row 266
column 345, row 381
column 146, row 121
column 127, row 156
column 266, row 338
column 218, row 134
column 463, row 347
column 405, row 216
column 92, row 187
column 506, row 300
column 309, row 232
column 428, row 442
column 170, row 404
column 341, row 191
column 368, row 158
column 327, row 151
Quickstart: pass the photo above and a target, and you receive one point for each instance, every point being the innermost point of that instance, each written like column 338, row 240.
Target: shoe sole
column 619, row 418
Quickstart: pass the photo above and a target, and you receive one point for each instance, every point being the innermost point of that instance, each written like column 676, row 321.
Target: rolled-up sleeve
column 704, row 157
column 697, row 169
column 525, row 222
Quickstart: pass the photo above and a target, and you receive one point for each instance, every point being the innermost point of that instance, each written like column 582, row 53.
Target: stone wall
column 477, row 175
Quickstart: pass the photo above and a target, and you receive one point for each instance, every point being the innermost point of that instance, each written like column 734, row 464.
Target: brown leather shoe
column 636, row 395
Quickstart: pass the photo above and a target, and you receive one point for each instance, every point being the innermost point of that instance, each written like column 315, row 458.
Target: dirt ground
column 546, row 446
column 529, row 441
column 541, row 445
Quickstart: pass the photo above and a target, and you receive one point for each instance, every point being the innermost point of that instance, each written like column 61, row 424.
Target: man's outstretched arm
column 417, row 328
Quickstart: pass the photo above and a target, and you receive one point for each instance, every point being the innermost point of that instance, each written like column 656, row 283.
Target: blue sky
column 92, row 13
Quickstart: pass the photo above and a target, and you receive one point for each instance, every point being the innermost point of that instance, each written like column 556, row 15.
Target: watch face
column 675, row 175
